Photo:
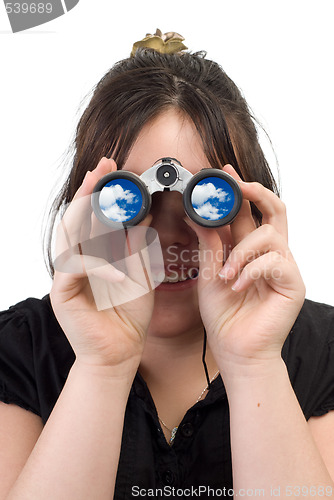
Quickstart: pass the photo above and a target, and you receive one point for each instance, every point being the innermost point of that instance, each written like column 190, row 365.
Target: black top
column 35, row 358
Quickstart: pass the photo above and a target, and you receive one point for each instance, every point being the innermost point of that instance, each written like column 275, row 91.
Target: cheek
column 226, row 239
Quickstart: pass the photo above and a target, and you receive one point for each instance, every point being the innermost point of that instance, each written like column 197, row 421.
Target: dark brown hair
column 137, row 89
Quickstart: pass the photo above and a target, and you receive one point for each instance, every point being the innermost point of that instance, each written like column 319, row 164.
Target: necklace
column 174, row 430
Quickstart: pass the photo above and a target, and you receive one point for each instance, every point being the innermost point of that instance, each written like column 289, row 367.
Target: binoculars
column 211, row 197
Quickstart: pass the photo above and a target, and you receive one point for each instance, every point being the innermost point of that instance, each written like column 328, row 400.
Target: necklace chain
column 174, row 430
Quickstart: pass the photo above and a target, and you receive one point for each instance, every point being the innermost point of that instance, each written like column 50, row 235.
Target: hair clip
column 167, row 43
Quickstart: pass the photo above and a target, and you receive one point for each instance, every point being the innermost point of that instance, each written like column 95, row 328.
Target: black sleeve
column 309, row 356
column 35, row 356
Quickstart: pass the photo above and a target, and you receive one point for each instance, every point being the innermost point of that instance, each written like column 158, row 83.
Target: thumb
column 210, row 248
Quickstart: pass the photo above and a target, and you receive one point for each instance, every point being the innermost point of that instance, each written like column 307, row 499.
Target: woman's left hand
column 249, row 305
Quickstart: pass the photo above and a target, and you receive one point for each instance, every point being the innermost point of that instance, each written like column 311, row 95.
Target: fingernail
column 226, row 272
column 236, row 285
column 86, row 177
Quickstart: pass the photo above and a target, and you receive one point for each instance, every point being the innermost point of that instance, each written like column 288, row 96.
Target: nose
column 168, row 219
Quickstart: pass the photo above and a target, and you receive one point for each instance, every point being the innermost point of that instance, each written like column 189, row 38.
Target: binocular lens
column 120, row 199
column 212, row 198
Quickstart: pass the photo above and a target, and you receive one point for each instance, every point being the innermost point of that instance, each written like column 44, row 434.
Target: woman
column 115, row 402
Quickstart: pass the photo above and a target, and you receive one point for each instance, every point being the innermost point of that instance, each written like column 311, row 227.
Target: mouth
column 179, row 279
column 181, row 275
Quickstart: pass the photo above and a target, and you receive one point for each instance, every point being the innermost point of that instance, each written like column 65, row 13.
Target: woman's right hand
column 115, row 334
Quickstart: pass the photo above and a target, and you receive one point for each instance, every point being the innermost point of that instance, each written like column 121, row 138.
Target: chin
column 174, row 321
column 176, row 311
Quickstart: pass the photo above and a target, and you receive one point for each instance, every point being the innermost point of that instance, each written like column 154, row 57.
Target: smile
column 179, row 280
column 181, row 275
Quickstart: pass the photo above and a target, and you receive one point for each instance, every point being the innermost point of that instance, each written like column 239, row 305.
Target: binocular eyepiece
column 211, row 198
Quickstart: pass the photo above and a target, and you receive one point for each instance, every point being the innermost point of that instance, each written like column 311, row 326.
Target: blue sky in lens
column 120, row 200
column 212, row 198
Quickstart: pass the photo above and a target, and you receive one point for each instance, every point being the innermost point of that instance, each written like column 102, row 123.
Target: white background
column 280, row 53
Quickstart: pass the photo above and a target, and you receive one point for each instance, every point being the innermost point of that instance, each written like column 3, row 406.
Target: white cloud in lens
column 200, row 197
column 109, row 196
column 116, row 213
column 203, row 192
column 208, row 211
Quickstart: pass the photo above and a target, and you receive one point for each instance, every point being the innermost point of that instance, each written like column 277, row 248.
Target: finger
column 79, row 210
column 138, row 257
column 151, row 254
column 244, row 222
column 211, row 253
column 280, row 274
column 108, row 286
column 81, row 266
column 135, row 264
column 263, row 240
column 104, row 166
column 111, row 294
column 270, row 205
column 75, row 225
